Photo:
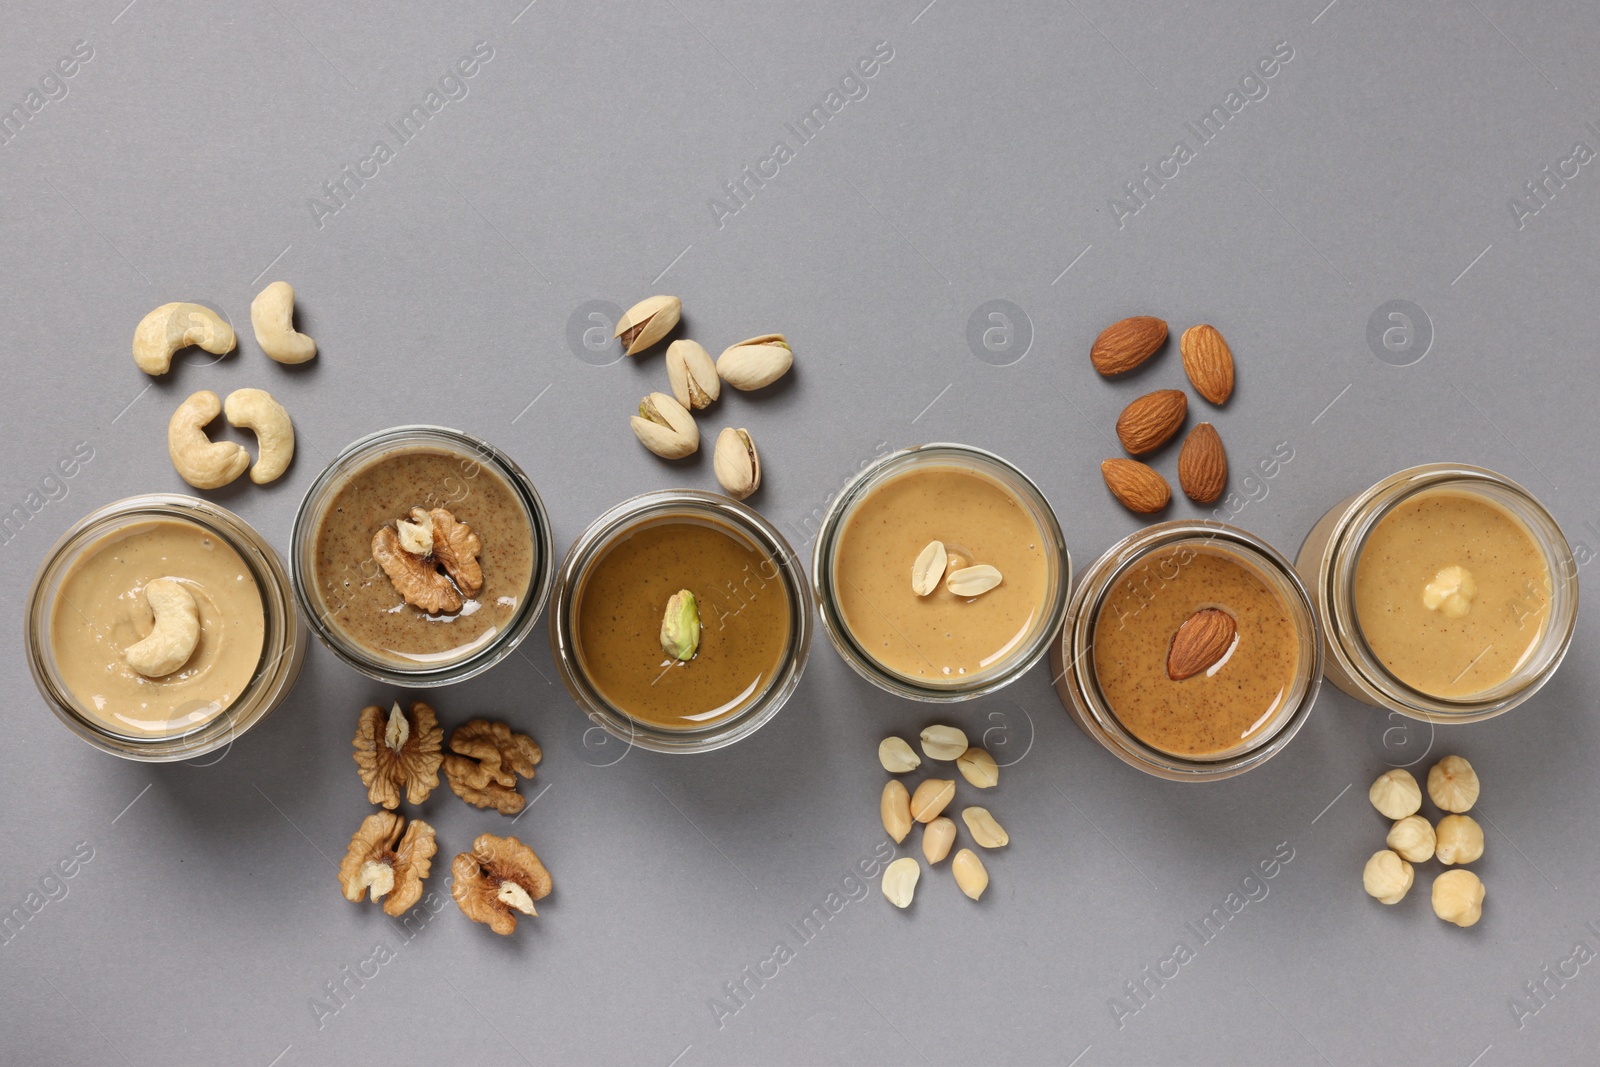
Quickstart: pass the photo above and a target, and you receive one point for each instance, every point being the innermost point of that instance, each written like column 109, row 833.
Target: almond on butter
column 1208, row 362
column 1150, row 421
column 1136, row 485
column 1203, row 465
column 1202, row 640
column 1124, row 345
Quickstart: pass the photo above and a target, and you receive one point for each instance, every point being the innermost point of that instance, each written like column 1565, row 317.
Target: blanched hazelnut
column 1453, row 784
column 1396, row 794
column 1387, row 877
column 1458, row 897
column 1412, row 837
column 1460, row 839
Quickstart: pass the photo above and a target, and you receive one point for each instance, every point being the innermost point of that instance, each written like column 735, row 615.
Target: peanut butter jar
column 1116, row 663
column 87, row 606
column 1445, row 592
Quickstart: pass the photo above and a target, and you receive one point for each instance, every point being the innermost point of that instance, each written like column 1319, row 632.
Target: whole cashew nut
column 202, row 462
column 173, row 326
column 272, row 317
column 255, row 409
column 176, row 633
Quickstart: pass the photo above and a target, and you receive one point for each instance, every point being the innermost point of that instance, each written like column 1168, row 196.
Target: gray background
column 979, row 166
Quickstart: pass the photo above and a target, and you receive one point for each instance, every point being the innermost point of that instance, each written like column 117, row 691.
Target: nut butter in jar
column 681, row 621
column 354, row 605
column 945, row 643
column 1445, row 592
column 1190, row 651
column 91, row 603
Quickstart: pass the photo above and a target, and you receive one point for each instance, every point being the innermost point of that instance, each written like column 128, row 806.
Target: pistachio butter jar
column 681, row 621
column 87, row 605
column 1445, row 592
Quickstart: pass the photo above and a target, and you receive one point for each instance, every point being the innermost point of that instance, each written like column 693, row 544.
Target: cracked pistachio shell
column 680, row 626
column 647, row 322
column 664, row 427
column 693, row 375
column 737, row 463
column 756, row 363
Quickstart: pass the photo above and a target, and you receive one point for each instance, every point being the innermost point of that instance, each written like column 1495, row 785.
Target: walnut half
column 398, row 750
column 491, row 756
column 498, row 878
column 376, row 863
column 416, row 575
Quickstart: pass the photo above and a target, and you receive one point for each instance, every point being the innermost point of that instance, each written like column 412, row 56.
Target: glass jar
column 1074, row 665
column 282, row 649
column 472, row 458
column 1329, row 557
column 747, row 527
column 1023, row 651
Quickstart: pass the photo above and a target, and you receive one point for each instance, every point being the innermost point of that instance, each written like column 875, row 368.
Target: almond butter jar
column 1445, row 592
column 1126, row 668
column 88, row 606
column 450, row 621
column 946, row 642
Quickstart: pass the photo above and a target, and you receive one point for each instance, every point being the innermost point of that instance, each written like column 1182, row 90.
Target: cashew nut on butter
column 173, row 326
column 255, row 409
column 176, row 633
column 202, row 462
column 272, row 318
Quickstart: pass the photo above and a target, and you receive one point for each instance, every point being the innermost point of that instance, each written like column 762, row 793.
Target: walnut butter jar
column 703, row 574
column 1445, row 592
column 1000, row 594
column 1190, row 651
column 91, row 602
column 422, row 556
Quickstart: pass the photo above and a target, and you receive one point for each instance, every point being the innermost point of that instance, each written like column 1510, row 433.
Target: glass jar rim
column 303, row 540
column 876, row 473
column 589, row 548
column 282, row 649
column 1336, row 582
column 1088, row 703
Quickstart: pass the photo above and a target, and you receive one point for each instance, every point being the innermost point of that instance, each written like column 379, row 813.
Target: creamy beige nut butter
column 1452, row 593
column 101, row 610
column 362, row 601
column 1216, row 710
column 940, row 636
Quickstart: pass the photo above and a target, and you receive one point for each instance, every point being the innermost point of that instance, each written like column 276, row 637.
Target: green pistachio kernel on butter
column 680, row 626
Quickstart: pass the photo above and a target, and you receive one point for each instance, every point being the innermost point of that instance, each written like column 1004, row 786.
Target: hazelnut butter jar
column 1190, row 651
column 422, row 556
column 1445, row 592
column 941, row 573
column 162, row 627
column 681, row 621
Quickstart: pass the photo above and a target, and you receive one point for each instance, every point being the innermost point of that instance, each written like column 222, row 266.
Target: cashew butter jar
column 1190, row 651
column 163, row 627
column 941, row 573
column 422, row 556
column 1445, row 592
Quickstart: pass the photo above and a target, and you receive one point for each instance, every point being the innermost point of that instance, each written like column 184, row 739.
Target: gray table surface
column 579, row 168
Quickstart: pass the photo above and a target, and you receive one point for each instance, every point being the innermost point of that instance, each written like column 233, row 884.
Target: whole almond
column 1208, row 362
column 1124, row 345
column 1202, row 640
column 1150, row 421
column 1203, row 465
column 1137, row 486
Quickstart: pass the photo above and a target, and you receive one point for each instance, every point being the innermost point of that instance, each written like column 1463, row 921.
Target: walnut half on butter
column 384, row 862
column 489, row 757
column 411, row 553
column 499, row 878
column 398, row 751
